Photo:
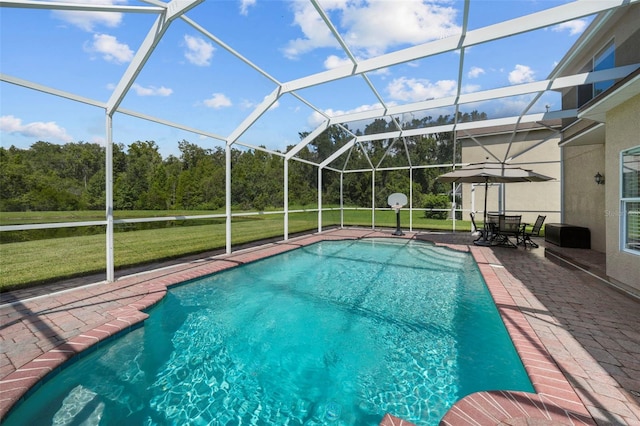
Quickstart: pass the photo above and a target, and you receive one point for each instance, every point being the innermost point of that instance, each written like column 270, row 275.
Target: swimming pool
column 336, row 332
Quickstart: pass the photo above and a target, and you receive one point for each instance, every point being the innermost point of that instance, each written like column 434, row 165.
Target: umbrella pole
column 486, row 190
column 484, row 241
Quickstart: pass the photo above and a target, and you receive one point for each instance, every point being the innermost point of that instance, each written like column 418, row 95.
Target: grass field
column 29, row 263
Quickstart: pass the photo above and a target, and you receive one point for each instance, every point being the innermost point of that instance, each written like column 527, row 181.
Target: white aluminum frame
column 167, row 13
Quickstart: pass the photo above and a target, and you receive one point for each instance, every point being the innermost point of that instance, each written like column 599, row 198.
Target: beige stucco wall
column 584, row 201
column 597, row 207
column 623, row 132
column 529, row 198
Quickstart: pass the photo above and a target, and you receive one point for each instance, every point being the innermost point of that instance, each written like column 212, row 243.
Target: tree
column 131, row 187
column 72, row 176
column 14, row 175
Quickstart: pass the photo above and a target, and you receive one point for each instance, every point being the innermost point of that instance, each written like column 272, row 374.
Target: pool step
column 81, row 406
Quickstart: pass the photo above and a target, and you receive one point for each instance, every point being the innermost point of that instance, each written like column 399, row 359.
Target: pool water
column 332, row 333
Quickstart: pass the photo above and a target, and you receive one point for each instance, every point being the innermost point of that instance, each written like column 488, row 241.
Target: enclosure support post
column 411, row 199
column 319, row 199
column 373, row 199
column 453, row 194
column 286, row 199
column 452, row 210
column 341, row 200
column 227, row 184
column 109, row 198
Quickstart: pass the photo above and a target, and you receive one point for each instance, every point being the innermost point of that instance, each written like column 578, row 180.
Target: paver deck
column 579, row 339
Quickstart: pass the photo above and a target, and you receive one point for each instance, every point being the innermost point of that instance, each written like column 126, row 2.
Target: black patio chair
column 508, row 226
column 535, row 232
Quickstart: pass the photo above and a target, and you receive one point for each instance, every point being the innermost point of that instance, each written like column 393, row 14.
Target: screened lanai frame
column 167, row 13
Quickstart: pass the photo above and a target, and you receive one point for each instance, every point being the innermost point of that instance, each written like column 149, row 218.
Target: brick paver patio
column 579, row 339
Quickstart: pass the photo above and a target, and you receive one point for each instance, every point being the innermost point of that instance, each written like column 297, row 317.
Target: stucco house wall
column 583, row 199
column 605, row 126
column 623, row 132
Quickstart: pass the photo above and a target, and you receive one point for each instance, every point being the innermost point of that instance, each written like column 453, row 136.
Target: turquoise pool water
column 332, row 333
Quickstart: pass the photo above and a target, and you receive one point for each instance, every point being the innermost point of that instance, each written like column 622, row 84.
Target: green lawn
column 29, row 263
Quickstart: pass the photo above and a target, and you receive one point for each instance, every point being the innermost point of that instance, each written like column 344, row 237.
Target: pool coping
column 555, row 400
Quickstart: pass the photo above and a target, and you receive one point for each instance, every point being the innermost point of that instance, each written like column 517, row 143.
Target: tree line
column 52, row 177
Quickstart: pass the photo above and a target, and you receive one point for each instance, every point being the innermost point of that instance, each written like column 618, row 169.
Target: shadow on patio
column 590, row 328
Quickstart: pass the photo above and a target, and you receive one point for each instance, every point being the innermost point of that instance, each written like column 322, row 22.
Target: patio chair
column 493, row 225
column 508, row 226
column 535, row 232
column 476, row 232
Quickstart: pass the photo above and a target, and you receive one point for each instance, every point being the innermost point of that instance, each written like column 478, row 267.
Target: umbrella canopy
column 491, row 172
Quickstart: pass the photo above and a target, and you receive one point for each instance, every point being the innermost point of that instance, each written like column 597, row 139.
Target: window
column 603, row 61
column 630, row 200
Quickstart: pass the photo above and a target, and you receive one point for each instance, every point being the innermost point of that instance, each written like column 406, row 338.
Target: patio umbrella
column 493, row 172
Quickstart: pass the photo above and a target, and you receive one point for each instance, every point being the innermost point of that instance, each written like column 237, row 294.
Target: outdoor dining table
column 495, row 236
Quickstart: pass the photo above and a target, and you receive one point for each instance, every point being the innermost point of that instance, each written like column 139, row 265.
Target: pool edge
column 555, row 398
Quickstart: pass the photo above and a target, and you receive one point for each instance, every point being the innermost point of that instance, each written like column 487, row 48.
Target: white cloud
column 471, row 88
column 475, row 72
column 362, row 108
column 275, row 105
column 89, row 20
column 334, row 61
column 199, row 51
column 414, row 89
column 316, row 33
column 110, row 49
column 315, row 119
column 247, row 104
column 217, row 101
column 49, row 131
column 574, row 27
column 100, row 140
column 381, row 24
column 151, row 90
column 510, row 107
column 521, row 74
column 370, row 28
column 245, row 5
column 383, row 71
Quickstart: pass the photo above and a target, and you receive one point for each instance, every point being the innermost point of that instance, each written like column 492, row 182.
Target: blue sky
column 192, row 80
